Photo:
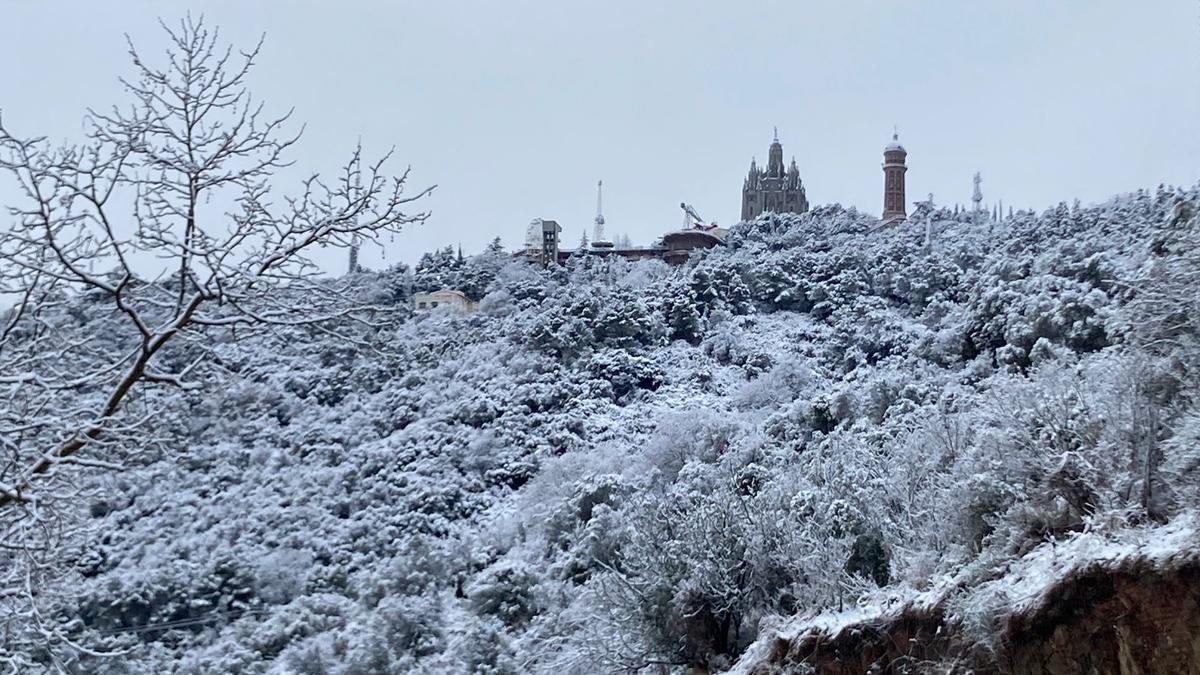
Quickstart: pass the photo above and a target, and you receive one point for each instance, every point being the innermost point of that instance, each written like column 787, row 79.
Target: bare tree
column 138, row 193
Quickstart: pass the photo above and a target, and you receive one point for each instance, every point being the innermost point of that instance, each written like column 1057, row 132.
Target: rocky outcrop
column 1133, row 620
column 1096, row 608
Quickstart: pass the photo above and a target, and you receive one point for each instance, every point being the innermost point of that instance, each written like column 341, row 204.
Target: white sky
column 516, row 108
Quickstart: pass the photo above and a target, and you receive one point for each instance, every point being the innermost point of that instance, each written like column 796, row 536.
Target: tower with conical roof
column 774, row 188
column 894, row 167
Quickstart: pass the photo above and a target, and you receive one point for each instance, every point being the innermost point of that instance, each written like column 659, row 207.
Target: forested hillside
column 617, row 467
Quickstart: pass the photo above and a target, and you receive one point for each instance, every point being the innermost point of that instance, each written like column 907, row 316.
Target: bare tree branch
column 136, row 194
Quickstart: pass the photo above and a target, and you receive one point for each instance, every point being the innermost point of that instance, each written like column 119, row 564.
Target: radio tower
column 977, row 197
column 598, row 238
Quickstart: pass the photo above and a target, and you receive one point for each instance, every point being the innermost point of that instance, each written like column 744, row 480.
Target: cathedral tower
column 774, row 188
column 893, row 180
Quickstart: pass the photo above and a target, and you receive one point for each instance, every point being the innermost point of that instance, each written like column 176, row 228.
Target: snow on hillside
column 613, row 466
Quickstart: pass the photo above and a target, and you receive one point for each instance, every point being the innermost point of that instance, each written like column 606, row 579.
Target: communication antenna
column 977, row 197
column 598, row 235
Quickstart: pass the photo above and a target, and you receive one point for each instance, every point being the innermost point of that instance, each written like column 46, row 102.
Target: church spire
column 775, row 157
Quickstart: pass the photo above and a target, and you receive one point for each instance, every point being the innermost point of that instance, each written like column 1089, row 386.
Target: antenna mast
column 977, row 197
column 598, row 235
column 598, row 238
column 355, row 239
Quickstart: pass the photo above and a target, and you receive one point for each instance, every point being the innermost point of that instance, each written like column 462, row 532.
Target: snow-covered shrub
column 616, row 374
column 869, row 559
column 618, row 463
column 485, row 649
column 506, row 591
column 282, row 575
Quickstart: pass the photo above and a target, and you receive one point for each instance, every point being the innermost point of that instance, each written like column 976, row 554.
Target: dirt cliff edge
column 1091, row 606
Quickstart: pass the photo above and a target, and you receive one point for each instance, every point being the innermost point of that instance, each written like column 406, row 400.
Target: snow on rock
column 1025, row 591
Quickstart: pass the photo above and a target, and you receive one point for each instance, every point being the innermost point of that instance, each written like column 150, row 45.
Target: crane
column 691, row 219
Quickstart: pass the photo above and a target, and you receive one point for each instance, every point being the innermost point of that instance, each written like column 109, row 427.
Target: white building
column 446, row 297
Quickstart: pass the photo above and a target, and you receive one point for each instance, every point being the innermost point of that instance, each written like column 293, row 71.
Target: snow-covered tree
column 138, row 195
column 613, row 464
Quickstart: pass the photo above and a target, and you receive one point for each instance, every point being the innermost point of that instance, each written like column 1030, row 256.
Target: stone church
column 773, row 188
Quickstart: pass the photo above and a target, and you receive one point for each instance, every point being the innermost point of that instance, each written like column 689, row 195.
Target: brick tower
column 893, row 180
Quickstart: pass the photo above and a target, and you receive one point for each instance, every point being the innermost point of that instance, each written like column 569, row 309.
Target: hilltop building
column 541, row 241
column 894, row 169
column 770, row 190
column 773, row 189
column 678, row 246
column 550, row 235
column 674, row 247
column 446, row 297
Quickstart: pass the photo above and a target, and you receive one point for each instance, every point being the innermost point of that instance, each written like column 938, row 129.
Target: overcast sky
column 515, row 109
